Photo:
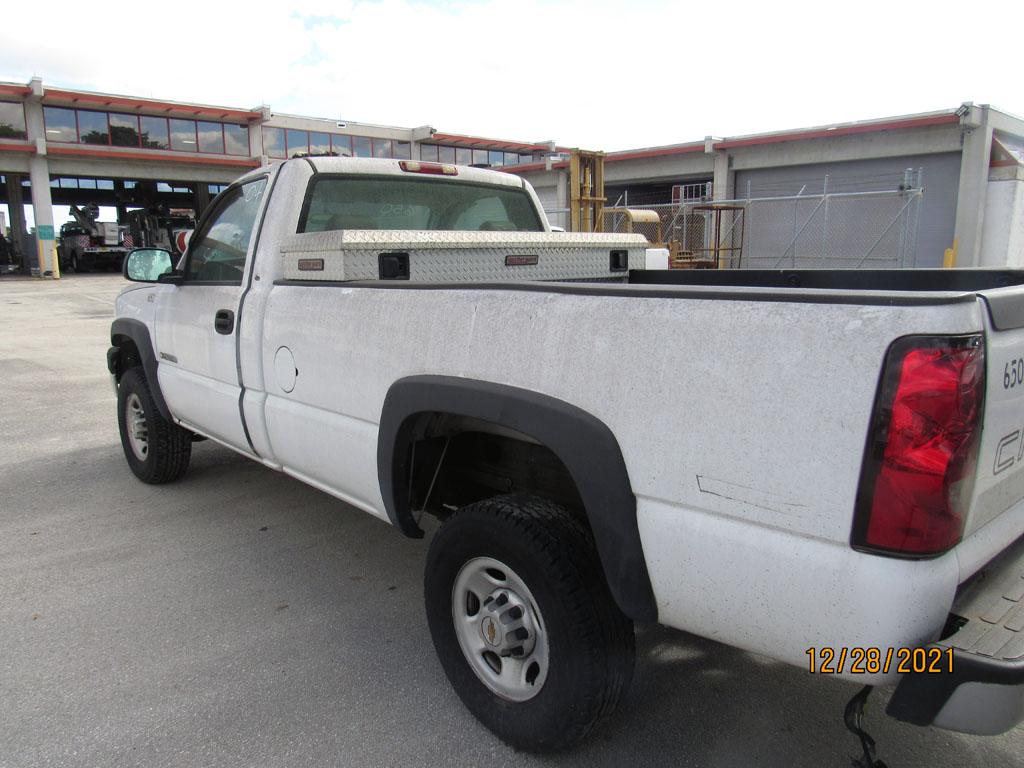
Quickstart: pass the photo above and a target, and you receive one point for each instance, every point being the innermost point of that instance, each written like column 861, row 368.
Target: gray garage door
column 852, row 224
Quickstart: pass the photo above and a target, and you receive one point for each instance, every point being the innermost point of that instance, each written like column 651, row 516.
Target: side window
column 217, row 254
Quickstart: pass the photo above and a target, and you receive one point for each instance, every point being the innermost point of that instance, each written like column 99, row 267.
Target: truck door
column 196, row 321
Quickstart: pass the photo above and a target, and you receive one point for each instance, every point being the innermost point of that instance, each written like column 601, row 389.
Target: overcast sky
column 589, row 74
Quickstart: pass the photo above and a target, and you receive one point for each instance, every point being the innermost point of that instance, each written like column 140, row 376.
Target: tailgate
column 999, row 483
column 459, row 257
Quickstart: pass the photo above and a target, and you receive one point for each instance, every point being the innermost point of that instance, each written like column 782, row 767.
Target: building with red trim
column 61, row 146
column 968, row 162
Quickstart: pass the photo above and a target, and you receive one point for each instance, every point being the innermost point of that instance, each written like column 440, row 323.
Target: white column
column 723, row 180
column 562, row 188
column 256, row 136
column 970, row 196
column 39, row 178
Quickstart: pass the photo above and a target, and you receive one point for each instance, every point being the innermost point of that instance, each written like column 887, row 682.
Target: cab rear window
column 397, row 203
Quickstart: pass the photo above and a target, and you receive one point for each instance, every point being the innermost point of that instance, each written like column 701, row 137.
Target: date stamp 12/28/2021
column 829, row 660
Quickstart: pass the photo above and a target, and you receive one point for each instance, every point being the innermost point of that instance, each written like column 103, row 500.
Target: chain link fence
column 873, row 228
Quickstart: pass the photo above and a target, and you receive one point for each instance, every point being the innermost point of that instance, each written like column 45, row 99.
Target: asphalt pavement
column 240, row 618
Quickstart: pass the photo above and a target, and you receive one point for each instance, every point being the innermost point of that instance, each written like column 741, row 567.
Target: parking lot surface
column 239, row 617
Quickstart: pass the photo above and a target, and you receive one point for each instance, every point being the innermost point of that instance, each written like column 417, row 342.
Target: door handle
column 224, row 321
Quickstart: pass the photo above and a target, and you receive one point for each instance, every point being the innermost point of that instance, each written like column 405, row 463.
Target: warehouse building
column 63, row 147
column 890, row 192
column 918, row 190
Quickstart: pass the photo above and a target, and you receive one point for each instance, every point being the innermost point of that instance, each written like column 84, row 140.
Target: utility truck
column 158, row 226
column 824, row 467
column 87, row 244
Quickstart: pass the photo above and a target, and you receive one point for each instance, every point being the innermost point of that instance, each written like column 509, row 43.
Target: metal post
column 796, row 218
column 917, row 213
column 574, row 193
column 824, row 226
column 908, row 184
column 745, row 214
column 119, row 201
column 718, row 238
column 798, row 233
column 743, row 232
column 200, row 197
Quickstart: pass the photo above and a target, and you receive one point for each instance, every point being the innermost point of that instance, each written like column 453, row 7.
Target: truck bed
column 913, row 280
column 920, row 287
column 868, row 286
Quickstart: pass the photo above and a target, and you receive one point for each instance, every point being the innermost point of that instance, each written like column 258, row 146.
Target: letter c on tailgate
column 583, row 443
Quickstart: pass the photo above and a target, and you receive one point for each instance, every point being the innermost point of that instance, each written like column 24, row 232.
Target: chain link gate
column 826, row 229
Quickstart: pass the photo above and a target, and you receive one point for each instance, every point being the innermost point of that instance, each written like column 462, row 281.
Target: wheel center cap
column 490, row 631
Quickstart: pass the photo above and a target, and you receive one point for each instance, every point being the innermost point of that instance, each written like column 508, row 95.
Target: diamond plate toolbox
column 443, row 257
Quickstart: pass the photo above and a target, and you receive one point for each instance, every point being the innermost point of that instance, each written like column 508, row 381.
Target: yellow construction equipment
column 586, row 191
column 638, row 220
column 587, row 213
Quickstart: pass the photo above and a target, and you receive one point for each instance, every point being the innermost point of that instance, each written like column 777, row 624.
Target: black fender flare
column 584, row 444
column 136, row 330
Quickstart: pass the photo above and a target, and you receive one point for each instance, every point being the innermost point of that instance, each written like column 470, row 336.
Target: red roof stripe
column 842, row 130
column 101, row 100
column 14, row 90
column 890, row 125
column 5, row 147
column 637, row 154
column 481, row 143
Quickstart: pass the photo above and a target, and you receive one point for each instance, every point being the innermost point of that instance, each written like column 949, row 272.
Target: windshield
column 396, row 202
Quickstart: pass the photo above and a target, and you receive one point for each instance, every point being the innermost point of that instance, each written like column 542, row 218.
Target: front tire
column 524, row 624
column 157, row 450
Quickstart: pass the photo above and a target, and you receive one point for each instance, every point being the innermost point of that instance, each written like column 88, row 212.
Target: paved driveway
column 239, row 617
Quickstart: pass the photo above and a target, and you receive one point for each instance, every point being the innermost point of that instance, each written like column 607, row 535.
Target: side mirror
column 146, row 265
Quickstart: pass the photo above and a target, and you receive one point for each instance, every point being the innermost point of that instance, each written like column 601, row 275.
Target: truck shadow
column 291, row 579
column 696, row 701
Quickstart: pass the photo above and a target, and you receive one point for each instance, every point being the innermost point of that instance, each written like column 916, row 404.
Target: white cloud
column 590, row 74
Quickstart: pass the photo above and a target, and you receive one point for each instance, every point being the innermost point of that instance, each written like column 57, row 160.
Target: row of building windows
column 440, row 153
column 80, row 126
column 145, row 132
column 292, row 142
column 75, row 182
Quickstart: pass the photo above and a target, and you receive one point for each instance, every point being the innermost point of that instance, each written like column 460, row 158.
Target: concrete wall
column 941, row 175
column 549, row 197
column 1003, row 229
column 550, row 201
column 675, row 168
column 140, row 170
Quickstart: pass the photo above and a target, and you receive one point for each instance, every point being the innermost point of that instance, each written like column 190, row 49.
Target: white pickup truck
column 824, row 467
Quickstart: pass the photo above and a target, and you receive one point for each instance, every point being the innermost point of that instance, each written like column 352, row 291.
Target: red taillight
column 919, row 469
column 438, row 169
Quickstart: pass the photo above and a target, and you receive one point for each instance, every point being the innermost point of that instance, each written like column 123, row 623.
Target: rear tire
column 535, row 576
column 157, row 450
